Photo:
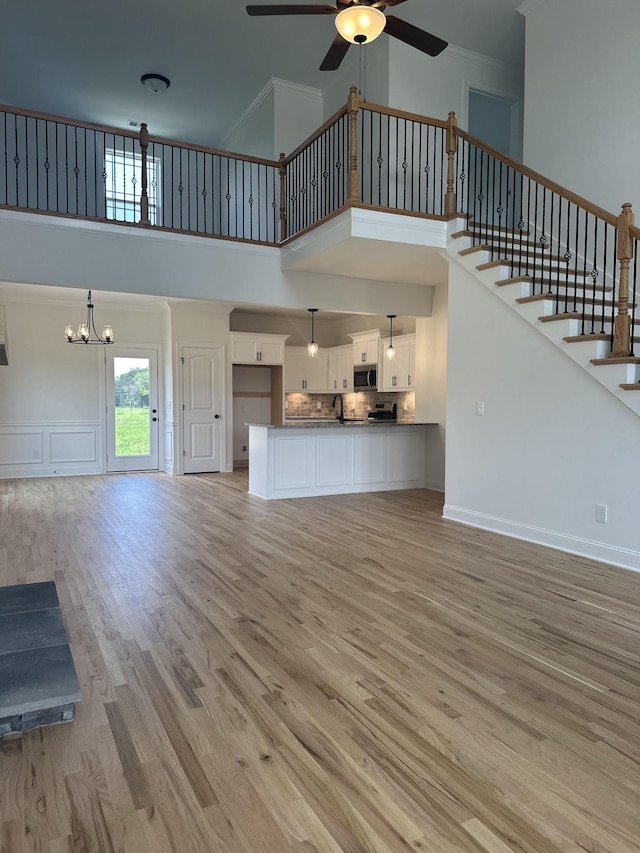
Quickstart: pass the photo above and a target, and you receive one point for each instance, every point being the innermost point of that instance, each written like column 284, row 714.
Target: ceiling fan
column 358, row 22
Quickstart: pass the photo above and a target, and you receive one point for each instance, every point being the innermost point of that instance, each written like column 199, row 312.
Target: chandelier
column 86, row 333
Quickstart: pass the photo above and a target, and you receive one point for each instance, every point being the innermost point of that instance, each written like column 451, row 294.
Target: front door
column 202, row 409
column 132, row 409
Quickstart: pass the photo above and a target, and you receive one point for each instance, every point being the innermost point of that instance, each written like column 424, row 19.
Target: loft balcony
column 368, row 195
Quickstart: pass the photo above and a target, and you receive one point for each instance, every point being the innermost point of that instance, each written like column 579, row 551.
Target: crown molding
column 530, row 6
column 273, row 84
column 482, row 60
column 288, row 86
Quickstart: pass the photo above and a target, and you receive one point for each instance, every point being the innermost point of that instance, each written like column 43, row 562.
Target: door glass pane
column 131, row 386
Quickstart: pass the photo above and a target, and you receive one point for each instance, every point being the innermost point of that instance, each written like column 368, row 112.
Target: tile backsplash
column 356, row 404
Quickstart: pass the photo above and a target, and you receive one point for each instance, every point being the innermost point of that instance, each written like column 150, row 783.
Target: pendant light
column 390, row 351
column 86, row 333
column 312, row 346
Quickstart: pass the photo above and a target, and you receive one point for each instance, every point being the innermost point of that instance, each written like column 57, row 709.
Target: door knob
column 216, row 416
column 154, row 419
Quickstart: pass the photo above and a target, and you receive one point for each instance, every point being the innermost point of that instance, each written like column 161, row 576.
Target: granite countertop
column 318, row 423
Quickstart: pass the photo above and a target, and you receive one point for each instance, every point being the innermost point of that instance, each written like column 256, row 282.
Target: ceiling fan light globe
column 360, row 24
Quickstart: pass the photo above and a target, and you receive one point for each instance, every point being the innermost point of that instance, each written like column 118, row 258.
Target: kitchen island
column 315, row 457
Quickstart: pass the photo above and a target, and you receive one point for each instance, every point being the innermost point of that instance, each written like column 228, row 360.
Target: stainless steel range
column 383, row 412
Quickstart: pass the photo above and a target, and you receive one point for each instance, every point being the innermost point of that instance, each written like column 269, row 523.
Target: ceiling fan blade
column 335, row 54
column 414, row 36
column 291, row 10
column 382, row 3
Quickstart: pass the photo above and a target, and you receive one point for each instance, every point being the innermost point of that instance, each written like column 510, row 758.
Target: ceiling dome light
column 359, row 24
column 155, row 83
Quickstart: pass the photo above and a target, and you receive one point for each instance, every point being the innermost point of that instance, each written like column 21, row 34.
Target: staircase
column 572, row 304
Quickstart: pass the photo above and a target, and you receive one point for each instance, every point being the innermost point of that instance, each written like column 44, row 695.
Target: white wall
column 373, row 86
column 582, row 125
column 282, row 116
column 253, row 133
column 434, row 85
column 552, row 443
column 52, row 393
column 431, row 385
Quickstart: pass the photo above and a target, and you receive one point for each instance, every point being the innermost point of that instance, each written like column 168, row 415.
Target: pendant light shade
column 390, row 351
column 360, row 24
column 312, row 346
column 87, row 333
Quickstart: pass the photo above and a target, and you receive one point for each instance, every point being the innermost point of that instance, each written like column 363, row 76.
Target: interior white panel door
column 202, row 409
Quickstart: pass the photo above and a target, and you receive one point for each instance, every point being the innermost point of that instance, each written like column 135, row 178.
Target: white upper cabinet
column 397, row 373
column 366, row 347
column 302, row 373
column 253, row 348
column 341, row 368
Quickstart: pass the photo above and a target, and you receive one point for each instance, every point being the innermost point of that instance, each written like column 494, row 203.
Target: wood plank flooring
column 347, row 673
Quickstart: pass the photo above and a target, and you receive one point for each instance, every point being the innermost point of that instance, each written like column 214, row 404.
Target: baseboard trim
column 602, row 553
column 434, row 485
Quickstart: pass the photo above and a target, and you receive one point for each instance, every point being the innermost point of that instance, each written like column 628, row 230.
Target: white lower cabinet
column 290, row 462
column 294, row 460
column 370, row 458
column 334, row 459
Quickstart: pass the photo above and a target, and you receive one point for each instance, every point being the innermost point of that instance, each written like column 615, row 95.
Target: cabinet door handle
column 344, row 383
column 409, row 379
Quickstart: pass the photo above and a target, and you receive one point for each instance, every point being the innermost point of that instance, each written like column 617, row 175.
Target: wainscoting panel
column 20, row 447
column 72, row 446
column 47, row 449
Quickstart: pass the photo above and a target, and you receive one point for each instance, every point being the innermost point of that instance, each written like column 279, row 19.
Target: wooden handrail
column 204, row 149
column 101, row 128
column 378, row 108
column 328, row 123
column 568, row 194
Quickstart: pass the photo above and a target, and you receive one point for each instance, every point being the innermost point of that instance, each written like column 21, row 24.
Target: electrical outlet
column 480, row 408
column 405, row 406
column 601, row 513
column 244, row 448
column 318, row 405
column 36, row 454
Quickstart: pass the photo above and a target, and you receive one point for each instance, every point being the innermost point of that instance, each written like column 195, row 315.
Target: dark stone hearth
column 38, row 681
column 28, row 596
column 36, row 629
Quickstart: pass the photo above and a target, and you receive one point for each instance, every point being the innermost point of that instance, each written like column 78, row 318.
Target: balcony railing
column 366, row 155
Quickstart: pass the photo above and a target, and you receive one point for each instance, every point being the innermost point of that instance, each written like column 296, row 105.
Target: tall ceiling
column 84, row 58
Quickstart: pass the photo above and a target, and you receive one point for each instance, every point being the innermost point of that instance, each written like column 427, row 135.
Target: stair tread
column 630, row 386
column 630, row 359
column 576, row 315
column 563, row 297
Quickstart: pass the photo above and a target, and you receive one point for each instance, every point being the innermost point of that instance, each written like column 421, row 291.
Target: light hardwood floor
column 347, row 673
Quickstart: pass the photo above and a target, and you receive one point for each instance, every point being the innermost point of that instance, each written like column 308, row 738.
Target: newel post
column 452, row 145
column 144, row 200
column 354, row 183
column 622, row 323
column 283, row 197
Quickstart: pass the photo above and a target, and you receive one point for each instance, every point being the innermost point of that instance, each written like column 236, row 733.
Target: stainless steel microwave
column 365, row 378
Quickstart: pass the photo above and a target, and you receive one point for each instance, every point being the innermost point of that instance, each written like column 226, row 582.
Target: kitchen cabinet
column 251, row 348
column 302, row 373
column 302, row 461
column 366, row 347
column 397, row 374
column 341, row 368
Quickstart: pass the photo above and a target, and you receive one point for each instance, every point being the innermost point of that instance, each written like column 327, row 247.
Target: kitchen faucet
column 340, row 415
